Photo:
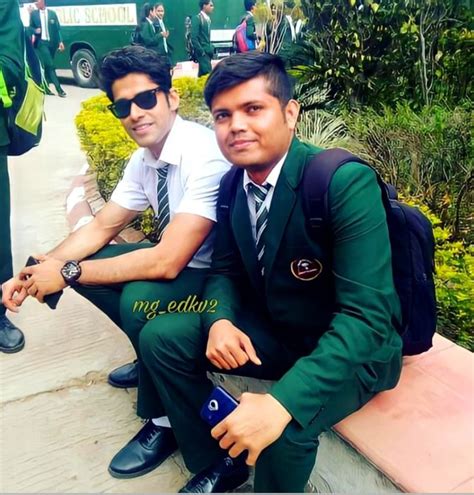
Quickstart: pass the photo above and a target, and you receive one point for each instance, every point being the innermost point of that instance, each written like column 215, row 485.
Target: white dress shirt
column 196, row 168
column 43, row 13
column 272, row 180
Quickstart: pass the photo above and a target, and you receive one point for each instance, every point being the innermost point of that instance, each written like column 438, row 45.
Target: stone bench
column 417, row 437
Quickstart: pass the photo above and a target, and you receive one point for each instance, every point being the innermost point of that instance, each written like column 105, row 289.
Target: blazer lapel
column 283, row 202
column 243, row 235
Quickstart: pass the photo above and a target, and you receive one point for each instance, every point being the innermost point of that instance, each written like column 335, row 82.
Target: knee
column 171, row 339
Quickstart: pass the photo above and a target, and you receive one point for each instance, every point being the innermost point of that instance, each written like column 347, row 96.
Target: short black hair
column 204, row 2
column 242, row 67
column 249, row 4
column 133, row 59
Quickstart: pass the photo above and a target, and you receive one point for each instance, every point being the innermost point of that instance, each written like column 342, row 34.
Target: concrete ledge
column 417, row 437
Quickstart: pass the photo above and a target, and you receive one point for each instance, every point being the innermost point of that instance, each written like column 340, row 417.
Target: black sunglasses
column 146, row 100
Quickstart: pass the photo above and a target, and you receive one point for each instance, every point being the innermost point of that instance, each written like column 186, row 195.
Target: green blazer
column 12, row 40
column 347, row 306
column 251, row 31
column 150, row 37
column 54, row 27
column 201, row 36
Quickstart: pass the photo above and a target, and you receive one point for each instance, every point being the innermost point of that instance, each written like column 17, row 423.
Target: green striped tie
column 260, row 193
column 163, row 216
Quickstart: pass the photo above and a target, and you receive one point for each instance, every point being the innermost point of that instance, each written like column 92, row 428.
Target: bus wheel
column 83, row 64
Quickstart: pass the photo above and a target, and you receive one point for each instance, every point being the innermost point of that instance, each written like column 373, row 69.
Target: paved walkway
column 60, row 423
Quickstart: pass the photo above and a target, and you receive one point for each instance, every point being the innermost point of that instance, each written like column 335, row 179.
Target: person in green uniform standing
column 164, row 48
column 201, row 37
column 251, row 31
column 319, row 319
column 45, row 25
column 12, row 69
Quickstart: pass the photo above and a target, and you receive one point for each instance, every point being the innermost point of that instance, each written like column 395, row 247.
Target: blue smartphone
column 51, row 300
column 219, row 405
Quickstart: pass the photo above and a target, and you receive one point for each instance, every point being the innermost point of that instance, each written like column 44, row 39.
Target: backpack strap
column 317, row 177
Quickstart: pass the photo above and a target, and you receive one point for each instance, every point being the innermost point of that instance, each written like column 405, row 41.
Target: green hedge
column 400, row 136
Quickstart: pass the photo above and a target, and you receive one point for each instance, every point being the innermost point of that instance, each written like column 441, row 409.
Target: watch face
column 71, row 271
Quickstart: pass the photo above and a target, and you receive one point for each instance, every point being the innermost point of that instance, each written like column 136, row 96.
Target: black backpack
column 411, row 239
column 136, row 36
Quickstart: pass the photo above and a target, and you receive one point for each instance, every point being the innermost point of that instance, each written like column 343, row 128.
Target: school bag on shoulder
column 411, row 239
column 240, row 41
column 24, row 105
column 190, row 49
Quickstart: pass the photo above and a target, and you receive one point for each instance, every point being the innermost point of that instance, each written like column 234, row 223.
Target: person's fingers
column 226, row 355
column 236, row 450
column 250, row 350
column 239, row 356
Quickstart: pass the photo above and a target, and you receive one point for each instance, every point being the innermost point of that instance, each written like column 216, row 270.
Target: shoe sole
column 12, row 350
column 118, row 385
column 124, row 476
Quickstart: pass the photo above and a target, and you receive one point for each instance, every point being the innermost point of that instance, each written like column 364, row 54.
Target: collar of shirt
column 272, row 178
column 206, row 17
column 249, row 13
column 171, row 152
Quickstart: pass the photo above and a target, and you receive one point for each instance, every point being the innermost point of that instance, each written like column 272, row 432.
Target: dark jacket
column 54, row 27
column 347, row 309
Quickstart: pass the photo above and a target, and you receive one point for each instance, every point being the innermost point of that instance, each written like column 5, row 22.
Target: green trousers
column 173, row 350
column 46, row 55
column 6, row 268
column 205, row 66
column 133, row 304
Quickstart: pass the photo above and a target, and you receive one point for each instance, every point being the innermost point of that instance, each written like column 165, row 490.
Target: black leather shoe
column 225, row 476
column 11, row 337
column 62, row 94
column 151, row 446
column 125, row 376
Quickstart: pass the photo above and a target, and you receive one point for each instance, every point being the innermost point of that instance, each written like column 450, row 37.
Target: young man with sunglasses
column 177, row 171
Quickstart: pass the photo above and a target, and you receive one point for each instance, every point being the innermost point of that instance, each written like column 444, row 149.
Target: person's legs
column 11, row 338
column 173, row 350
column 42, row 49
column 107, row 297
column 143, row 302
column 53, row 75
column 286, row 465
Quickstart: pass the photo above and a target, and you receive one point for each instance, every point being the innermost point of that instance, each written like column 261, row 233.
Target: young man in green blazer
column 201, row 37
column 45, row 25
column 13, row 69
column 319, row 320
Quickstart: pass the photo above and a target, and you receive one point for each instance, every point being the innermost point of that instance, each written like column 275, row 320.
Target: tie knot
column 163, row 172
column 259, row 192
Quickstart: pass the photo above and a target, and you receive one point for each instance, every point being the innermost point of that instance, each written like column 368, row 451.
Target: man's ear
column 173, row 98
column 292, row 110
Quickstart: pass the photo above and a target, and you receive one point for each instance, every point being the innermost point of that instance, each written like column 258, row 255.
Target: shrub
column 428, row 153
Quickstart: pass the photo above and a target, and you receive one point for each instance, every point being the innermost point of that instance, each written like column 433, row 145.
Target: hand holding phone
column 51, row 299
column 219, row 405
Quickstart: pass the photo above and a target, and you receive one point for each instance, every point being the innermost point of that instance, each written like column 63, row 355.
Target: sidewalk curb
column 84, row 200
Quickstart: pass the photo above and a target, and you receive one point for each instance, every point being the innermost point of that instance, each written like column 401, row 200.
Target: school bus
column 91, row 28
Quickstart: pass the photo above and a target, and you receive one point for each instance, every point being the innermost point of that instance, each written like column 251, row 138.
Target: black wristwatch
column 71, row 271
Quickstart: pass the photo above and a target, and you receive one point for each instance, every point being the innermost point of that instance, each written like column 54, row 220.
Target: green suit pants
column 6, row 269
column 173, row 350
column 46, row 55
column 133, row 304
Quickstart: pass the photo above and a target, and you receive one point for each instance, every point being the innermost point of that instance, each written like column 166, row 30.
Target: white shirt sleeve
column 130, row 192
column 202, row 187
